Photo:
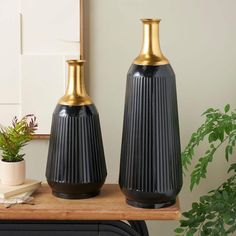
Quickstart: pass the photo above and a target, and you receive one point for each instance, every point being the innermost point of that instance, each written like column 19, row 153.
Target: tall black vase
column 76, row 165
column 150, row 165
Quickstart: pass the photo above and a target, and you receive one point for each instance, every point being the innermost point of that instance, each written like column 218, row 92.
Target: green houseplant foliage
column 16, row 136
column 215, row 212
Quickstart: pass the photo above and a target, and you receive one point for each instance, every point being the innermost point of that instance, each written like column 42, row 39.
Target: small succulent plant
column 16, row 136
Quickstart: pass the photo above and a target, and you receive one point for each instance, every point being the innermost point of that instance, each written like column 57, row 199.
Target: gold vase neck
column 76, row 94
column 151, row 52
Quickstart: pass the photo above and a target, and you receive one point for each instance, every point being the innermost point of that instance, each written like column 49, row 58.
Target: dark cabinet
column 68, row 228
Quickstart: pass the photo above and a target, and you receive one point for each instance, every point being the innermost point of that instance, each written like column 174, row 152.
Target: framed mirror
column 37, row 37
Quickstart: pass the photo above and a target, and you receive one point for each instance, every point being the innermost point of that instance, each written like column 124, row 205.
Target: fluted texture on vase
column 76, row 153
column 150, row 153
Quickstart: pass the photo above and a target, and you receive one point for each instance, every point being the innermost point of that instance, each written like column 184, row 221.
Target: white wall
column 198, row 37
column 36, row 39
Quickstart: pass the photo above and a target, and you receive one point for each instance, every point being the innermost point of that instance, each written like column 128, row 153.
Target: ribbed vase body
column 150, row 166
column 76, row 165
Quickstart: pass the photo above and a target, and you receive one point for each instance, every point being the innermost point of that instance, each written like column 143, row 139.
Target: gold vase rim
column 151, row 53
column 76, row 94
column 75, row 61
column 150, row 20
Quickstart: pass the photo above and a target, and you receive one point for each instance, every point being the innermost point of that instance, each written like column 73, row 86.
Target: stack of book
column 19, row 193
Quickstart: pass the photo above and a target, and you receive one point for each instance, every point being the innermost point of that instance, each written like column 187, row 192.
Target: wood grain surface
column 41, row 136
column 109, row 205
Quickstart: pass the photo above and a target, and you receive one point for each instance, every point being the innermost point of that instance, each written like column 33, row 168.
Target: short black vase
column 76, row 165
column 150, row 165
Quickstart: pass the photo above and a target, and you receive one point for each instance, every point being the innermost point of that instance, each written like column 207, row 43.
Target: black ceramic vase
column 76, row 164
column 150, row 165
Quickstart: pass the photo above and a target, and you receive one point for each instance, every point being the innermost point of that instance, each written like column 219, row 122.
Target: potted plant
column 215, row 212
column 12, row 139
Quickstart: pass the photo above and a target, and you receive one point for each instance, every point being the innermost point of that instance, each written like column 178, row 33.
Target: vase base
column 75, row 196
column 150, row 205
column 75, row 190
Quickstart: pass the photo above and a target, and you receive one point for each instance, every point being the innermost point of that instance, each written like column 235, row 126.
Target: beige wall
column 199, row 39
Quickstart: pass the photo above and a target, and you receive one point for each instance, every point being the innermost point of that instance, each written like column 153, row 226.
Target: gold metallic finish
column 151, row 52
column 75, row 93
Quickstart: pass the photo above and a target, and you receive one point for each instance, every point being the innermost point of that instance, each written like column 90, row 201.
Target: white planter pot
column 12, row 173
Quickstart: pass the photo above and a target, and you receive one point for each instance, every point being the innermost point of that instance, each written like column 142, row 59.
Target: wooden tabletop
column 109, row 205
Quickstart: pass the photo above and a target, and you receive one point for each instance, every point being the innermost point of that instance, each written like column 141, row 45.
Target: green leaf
column 179, row 230
column 225, row 195
column 232, row 167
column 212, row 137
column 209, row 110
column 228, row 128
column 203, row 233
column 209, row 224
column 189, row 233
column 210, row 216
column 227, row 153
column 221, row 133
column 192, row 184
column 195, row 206
column 227, row 108
column 183, row 223
column 187, row 214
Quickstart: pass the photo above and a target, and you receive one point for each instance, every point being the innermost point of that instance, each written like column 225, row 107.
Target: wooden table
column 109, row 206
